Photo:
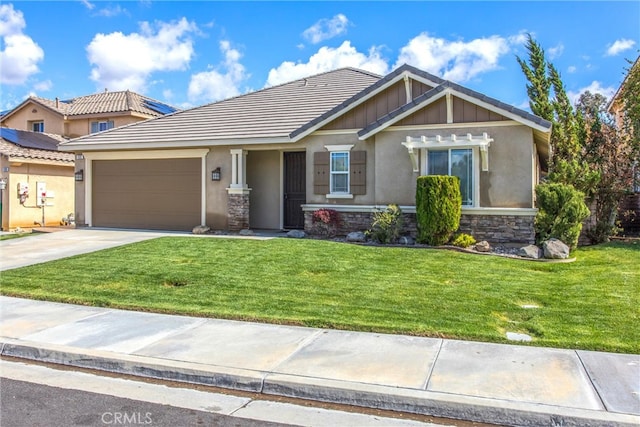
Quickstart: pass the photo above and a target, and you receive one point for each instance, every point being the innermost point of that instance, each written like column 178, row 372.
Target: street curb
column 416, row 401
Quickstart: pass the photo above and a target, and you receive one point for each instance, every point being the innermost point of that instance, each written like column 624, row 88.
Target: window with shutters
column 339, row 172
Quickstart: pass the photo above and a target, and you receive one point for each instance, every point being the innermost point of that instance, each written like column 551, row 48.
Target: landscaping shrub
column 463, row 240
column 438, row 208
column 387, row 225
column 325, row 222
column 561, row 210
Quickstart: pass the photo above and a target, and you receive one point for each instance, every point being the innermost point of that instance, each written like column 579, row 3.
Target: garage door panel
column 150, row 193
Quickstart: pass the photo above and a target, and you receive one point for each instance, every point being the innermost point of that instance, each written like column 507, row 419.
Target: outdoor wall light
column 216, row 174
column 79, row 175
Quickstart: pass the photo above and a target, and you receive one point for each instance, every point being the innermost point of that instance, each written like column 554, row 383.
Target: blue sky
column 192, row 53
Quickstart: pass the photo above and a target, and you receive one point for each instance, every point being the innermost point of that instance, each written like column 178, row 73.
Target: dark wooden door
column 294, row 189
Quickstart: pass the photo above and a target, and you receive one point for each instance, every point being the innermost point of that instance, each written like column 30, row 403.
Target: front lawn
column 592, row 303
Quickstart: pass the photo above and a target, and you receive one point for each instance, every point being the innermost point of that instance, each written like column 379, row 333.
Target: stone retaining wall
column 492, row 228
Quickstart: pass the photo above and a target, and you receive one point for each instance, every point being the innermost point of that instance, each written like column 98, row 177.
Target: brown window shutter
column 358, row 168
column 321, row 172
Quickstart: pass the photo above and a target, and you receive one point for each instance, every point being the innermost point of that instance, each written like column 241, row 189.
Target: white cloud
column 556, row 51
column 111, row 11
column 43, row 86
column 88, row 4
column 326, row 28
column 619, row 46
column 458, row 61
column 126, row 61
column 214, row 85
column 21, row 54
column 167, row 94
column 594, row 87
column 572, row 69
column 327, row 59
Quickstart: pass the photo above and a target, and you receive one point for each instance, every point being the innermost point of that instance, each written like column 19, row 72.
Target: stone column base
column 238, row 216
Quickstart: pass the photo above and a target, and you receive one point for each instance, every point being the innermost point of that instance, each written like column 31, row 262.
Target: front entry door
column 294, row 189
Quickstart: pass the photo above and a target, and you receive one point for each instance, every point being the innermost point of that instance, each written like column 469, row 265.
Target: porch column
column 238, row 192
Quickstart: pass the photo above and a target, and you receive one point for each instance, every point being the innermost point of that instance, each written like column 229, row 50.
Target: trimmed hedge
column 438, row 208
column 561, row 210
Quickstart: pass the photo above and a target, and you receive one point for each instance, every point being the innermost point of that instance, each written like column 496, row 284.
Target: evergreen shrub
column 561, row 210
column 386, row 226
column 438, row 208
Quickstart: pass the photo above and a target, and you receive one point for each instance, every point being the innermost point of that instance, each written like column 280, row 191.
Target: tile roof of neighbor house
column 32, row 145
column 104, row 102
column 269, row 114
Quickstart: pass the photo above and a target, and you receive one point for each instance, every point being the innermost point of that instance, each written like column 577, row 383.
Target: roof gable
column 490, row 104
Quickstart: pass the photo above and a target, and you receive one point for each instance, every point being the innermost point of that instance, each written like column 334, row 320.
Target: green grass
column 592, row 303
column 14, row 236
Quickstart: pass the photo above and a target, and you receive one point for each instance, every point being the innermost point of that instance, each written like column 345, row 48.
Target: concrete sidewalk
column 492, row 383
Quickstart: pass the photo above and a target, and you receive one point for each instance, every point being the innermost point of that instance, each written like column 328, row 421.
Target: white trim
column 412, row 209
column 449, row 108
column 339, row 196
column 203, row 192
column 168, row 145
column 336, row 132
column 439, row 126
column 332, row 148
column 239, row 190
column 407, row 88
column 150, row 154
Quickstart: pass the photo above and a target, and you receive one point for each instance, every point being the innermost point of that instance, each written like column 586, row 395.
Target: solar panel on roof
column 158, row 107
column 29, row 139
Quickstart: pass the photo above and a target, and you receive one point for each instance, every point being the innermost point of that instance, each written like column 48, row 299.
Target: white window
column 101, row 126
column 454, row 162
column 37, row 126
column 339, row 170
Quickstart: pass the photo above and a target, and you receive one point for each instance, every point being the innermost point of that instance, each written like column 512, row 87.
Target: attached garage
column 157, row 194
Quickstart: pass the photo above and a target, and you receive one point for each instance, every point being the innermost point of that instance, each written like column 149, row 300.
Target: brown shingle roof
column 107, row 102
column 268, row 114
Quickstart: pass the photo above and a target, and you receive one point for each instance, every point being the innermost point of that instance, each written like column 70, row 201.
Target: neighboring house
column 347, row 140
column 629, row 208
column 36, row 179
column 83, row 115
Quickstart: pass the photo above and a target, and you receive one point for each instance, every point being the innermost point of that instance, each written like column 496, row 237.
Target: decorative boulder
column 530, row 251
column 296, row 234
column 483, row 246
column 200, row 229
column 356, row 237
column 406, row 240
column 555, row 249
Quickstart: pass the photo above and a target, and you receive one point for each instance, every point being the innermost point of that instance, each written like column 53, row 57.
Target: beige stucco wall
column 263, row 177
column 216, row 191
column 76, row 127
column 53, row 122
column 58, row 179
column 509, row 183
column 315, row 143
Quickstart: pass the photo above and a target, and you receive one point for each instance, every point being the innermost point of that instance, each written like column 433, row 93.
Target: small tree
column 438, row 208
column 561, row 210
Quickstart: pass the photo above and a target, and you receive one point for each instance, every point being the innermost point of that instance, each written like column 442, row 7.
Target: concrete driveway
column 44, row 247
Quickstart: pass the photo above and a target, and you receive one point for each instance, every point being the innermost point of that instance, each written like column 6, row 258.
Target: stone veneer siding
column 238, row 212
column 492, row 228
